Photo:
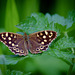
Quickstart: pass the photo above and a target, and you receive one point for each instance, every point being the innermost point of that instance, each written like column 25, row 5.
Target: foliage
column 60, row 50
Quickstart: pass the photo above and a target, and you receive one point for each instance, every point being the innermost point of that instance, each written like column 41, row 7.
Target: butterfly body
column 35, row 42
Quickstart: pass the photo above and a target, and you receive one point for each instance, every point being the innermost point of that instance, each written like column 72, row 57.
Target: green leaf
column 14, row 72
column 11, row 17
column 37, row 22
column 64, row 43
column 60, row 20
column 65, row 56
column 71, row 15
column 10, row 59
column 0, row 72
column 27, row 25
column 14, row 59
column 62, row 49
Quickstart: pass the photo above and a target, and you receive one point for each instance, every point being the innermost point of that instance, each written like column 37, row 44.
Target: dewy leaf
column 59, row 19
column 64, row 43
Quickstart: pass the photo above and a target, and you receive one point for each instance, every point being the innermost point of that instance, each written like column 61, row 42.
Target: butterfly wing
column 40, row 41
column 15, row 42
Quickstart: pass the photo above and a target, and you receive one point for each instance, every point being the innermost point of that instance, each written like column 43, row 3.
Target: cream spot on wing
column 37, row 35
column 12, row 44
column 51, row 33
column 14, row 48
column 41, row 34
column 9, row 42
column 21, row 51
column 6, row 34
column 49, row 39
column 42, row 42
column 4, row 38
column 2, row 35
column 16, row 45
column 17, row 50
column 50, row 36
column 37, row 49
column 46, row 32
column 9, row 38
column 45, row 40
column 41, row 47
column 15, row 36
column 11, row 35
column 44, row 36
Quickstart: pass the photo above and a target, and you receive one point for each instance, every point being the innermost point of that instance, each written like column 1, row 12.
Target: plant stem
column 71, row 66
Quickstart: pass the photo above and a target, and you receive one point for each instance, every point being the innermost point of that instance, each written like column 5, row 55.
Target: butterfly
column 35, row 42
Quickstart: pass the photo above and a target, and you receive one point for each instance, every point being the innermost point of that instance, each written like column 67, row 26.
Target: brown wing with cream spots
column 15, row 42
column 40, row 41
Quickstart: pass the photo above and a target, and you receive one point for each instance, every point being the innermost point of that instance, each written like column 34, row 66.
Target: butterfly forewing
column 15, row 42
column 40, row 41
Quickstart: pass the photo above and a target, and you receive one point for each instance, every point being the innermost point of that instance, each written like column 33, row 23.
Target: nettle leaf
column 71, row 16
column 60, row 20
column 62, row 49
column 42, row 21
column 37, row 22
column 64, row 43
column 27, row 25
column 65, row 56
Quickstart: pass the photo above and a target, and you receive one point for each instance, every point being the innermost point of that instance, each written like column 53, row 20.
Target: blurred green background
column 12, row 12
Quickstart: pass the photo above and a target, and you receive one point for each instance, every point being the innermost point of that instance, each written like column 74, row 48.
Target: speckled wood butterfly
column 35, row 42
